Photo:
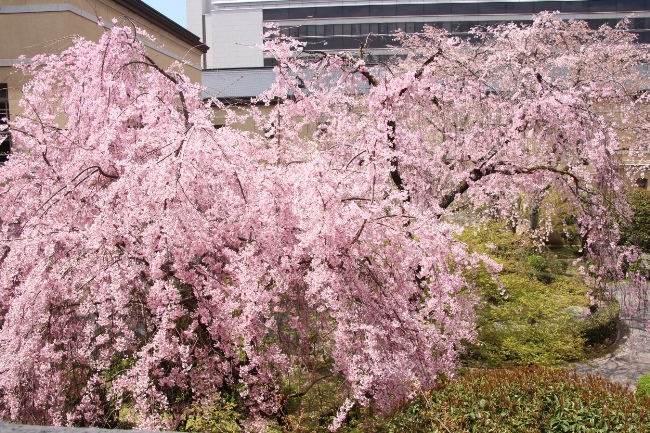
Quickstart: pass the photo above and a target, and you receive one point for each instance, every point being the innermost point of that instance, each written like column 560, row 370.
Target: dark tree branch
column 479, row 173
column 394, row 162
column 151, row 64
column 463, row 186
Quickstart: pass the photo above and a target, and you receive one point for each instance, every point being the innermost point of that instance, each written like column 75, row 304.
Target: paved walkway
column 630, row 357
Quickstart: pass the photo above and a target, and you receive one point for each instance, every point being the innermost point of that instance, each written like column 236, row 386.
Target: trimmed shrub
column 524, row 400
column 600, row 328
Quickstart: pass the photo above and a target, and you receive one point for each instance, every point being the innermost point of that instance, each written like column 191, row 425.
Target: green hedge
column 524, row 400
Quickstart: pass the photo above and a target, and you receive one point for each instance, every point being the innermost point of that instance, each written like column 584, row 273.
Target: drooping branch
column 374, row 82
column 479, row 173
column 463, row 186
column 151, row 64
column 426, row 63
column 99, row 170
column 394, row 162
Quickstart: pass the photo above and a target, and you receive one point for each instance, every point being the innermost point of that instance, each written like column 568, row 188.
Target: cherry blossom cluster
column 149, row 261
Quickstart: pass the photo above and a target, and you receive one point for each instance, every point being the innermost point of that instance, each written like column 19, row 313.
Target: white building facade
column 233, row 28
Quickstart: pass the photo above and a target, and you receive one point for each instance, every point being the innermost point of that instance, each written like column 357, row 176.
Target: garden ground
column 629, row 357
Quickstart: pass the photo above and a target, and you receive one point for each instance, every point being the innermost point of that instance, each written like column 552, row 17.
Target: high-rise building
column 234, row 27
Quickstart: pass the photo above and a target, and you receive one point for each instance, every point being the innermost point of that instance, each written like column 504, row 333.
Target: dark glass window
column 644, row 37
column 637, row 23
column 551, row 6
column 492, row 8
column 357, row 11
column 329, row 12
column 380, row 41
column 350, row 43
column 601, row 5
column 5, row 146
column 612, row 22
column 460, row 27
column 630, row 5
column 301, row 13
column 519, row 8
column 383, row 10
column 275, row 14
column 642, row 183
column 437, row 9
column 575, row 6
column 597, row 23
column 410, row 9
column 464, row 8
column 348, row 36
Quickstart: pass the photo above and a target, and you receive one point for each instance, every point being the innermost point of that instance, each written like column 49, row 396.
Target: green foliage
column 524, row 400
column 217, row 416
column 537, row 262
column 531, row 325
column 643, row 385
column 542, row 316
column 119, row 408
column 638, row 232
column 310, row 403
column 562, row 214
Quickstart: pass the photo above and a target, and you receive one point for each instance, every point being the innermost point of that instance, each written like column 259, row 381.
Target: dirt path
column 630, row 358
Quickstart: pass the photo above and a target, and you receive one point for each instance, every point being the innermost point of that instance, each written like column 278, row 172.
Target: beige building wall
column 243, row 110
column 47, row 26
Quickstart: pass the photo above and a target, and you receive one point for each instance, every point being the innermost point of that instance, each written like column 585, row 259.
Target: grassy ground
column 541, row 315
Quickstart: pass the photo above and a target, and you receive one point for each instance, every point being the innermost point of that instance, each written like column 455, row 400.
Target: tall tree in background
column 150, row 262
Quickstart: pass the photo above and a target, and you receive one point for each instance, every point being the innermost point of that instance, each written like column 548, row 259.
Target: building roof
column 237, row 83
column 155, row 17
column 248, row 83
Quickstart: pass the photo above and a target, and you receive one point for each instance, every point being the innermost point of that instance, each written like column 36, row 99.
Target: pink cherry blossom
column 149, row 261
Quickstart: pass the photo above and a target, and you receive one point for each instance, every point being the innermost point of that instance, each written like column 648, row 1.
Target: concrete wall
column 195, row 11
column 233, row 33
